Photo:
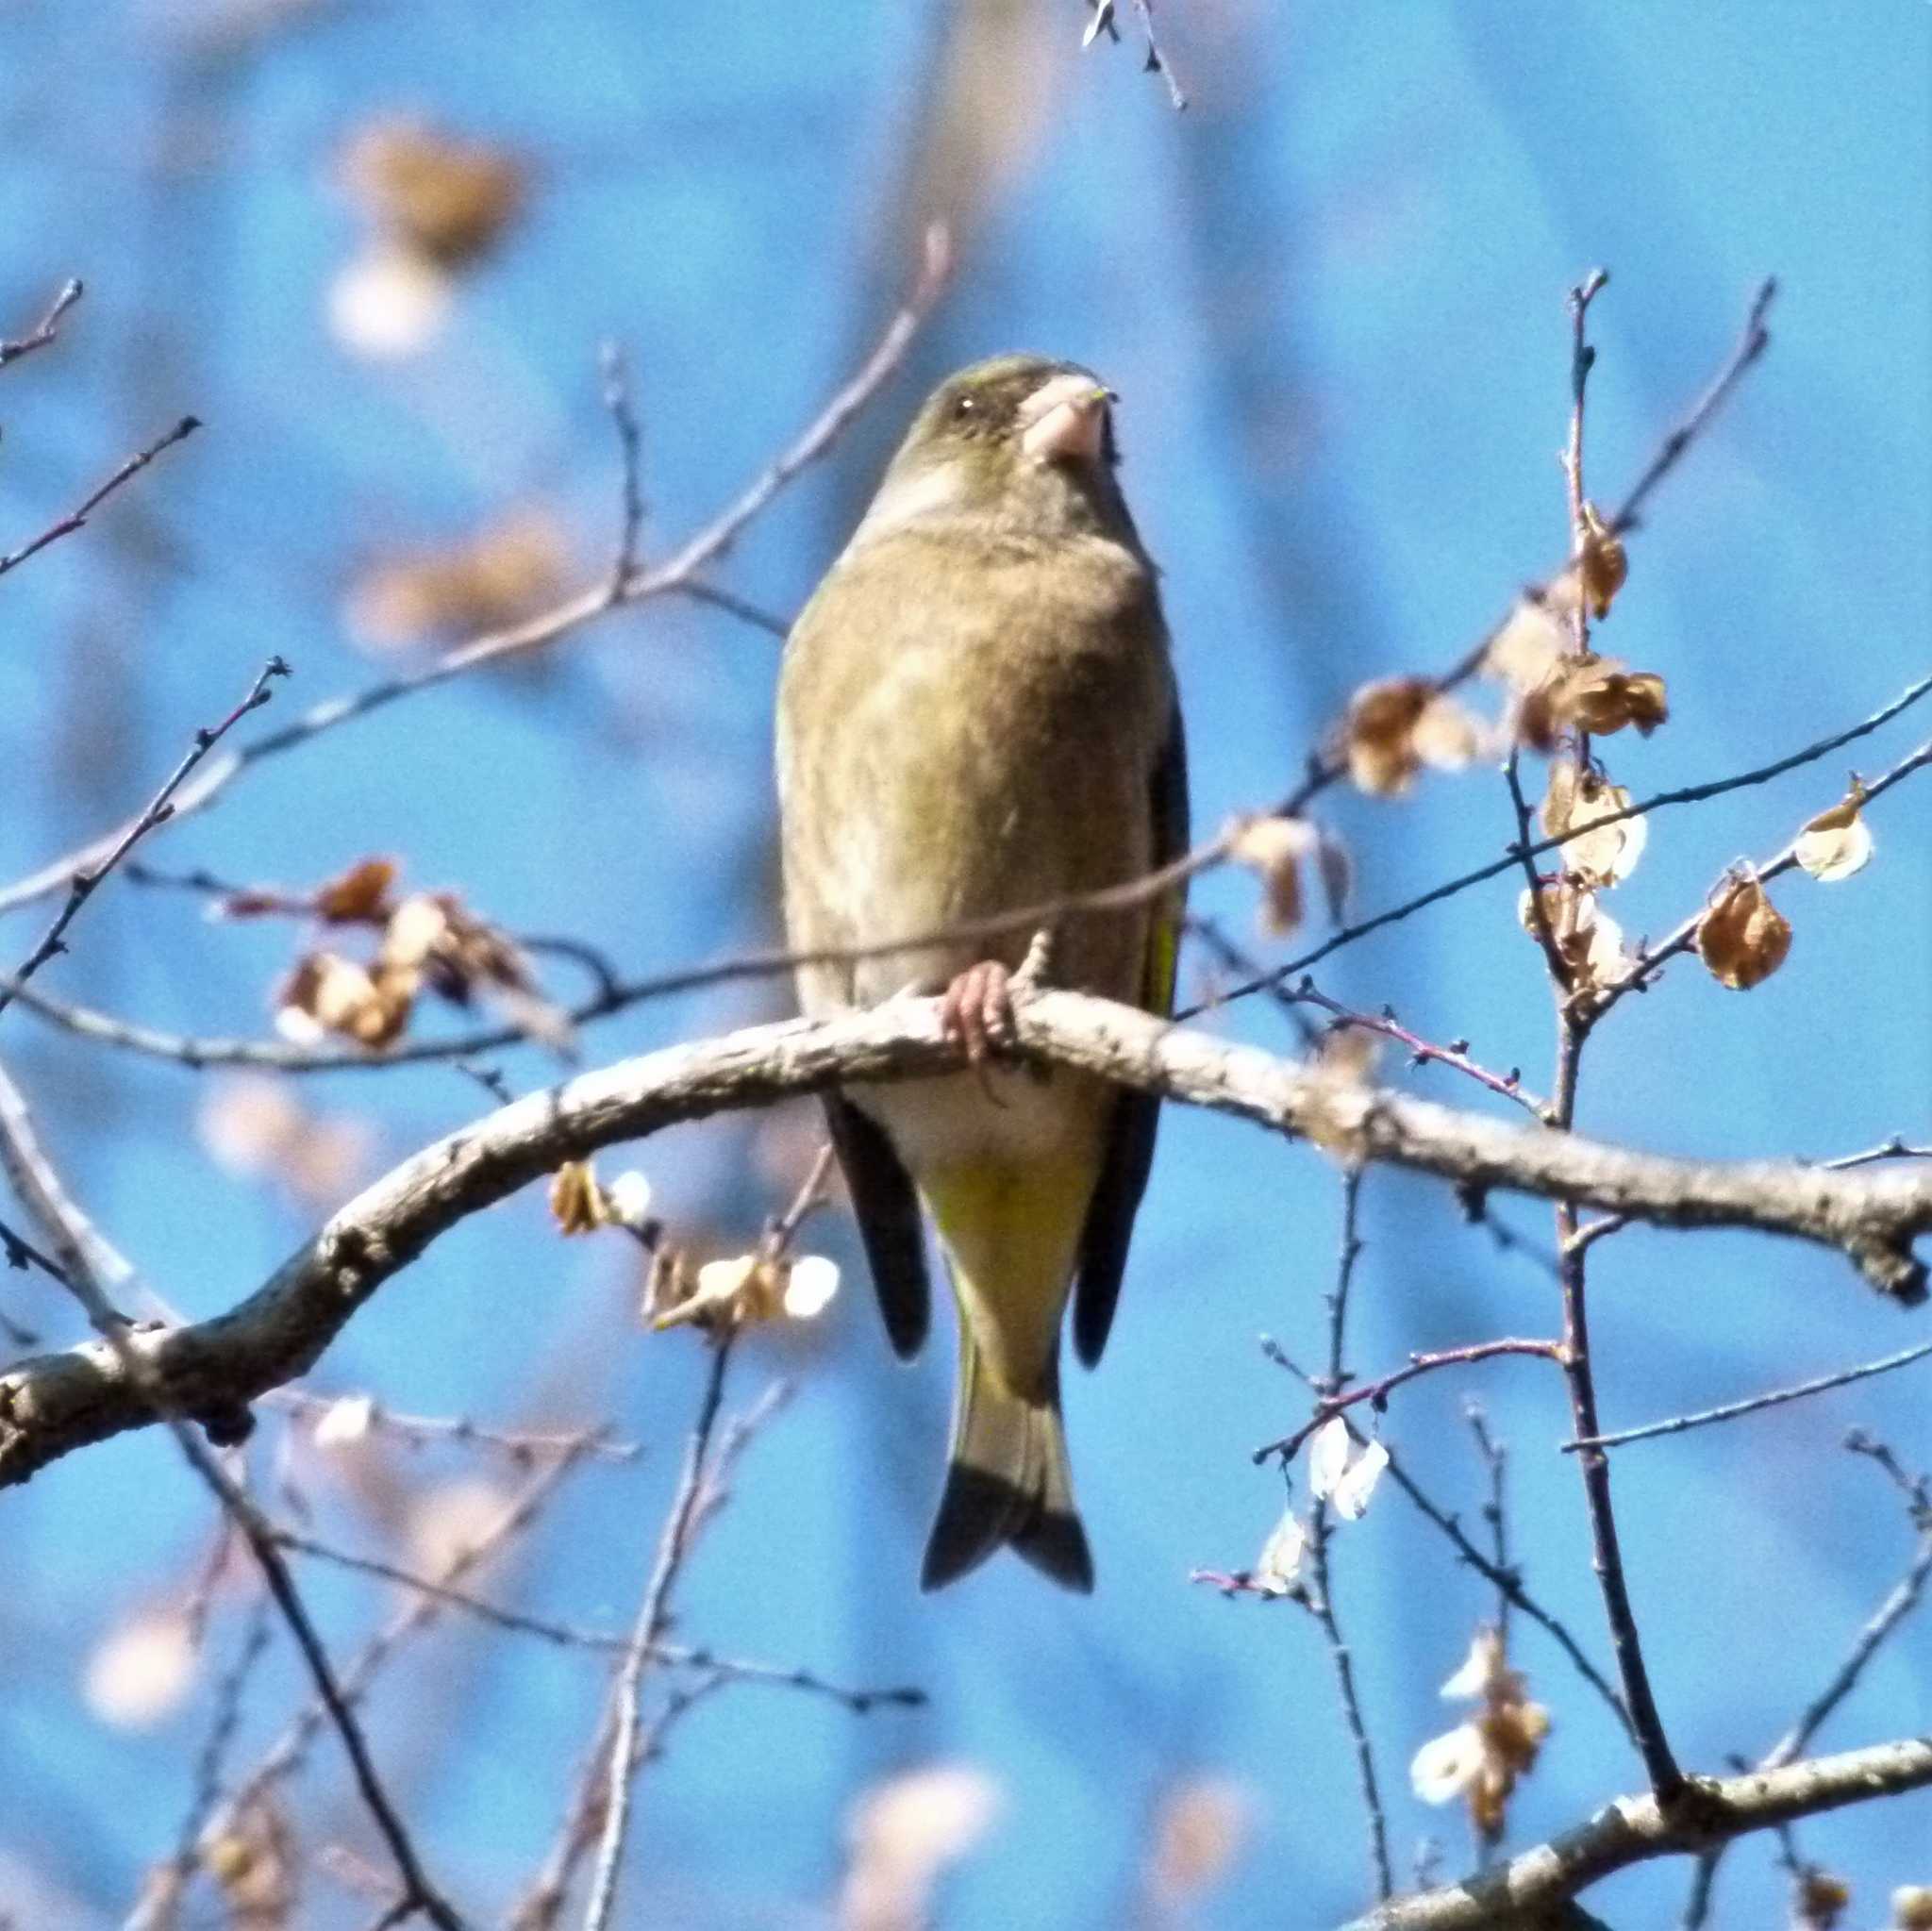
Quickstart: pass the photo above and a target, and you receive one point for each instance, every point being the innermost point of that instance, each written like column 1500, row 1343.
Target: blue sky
column 1332, row 298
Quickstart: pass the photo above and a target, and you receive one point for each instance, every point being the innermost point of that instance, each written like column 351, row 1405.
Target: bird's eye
column 964, row 407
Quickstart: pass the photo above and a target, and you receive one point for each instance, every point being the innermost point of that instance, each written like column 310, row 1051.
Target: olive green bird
column 978, row 714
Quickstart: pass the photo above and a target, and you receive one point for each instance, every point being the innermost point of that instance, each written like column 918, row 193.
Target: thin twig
column 700, row 1490
column 23, row 1159
column 1573, row 1032
column 1517, row 852
column 83, row 884
column 1892, row 1149
column 1475, row 1204
column 1322, row 1598
column 286, row 1755
column 1751, row 344
column 1730, row 1410
column 733, row 604
column 1684, row 936
column 1899, row 1603
column 1495, row 1459
column 601, row 1641
column 525, row 1445
column 1508, row 1583
column 46, row 329
column 1423, row 1051
column 630, row 442
column 160, row 1900
column 199, row 1052
column 1506, row 1580
column 1377, row 1393
column 77, row 519
column 1156, row 61
column 687, row 564
column 647, row 1634
column 20, row 1253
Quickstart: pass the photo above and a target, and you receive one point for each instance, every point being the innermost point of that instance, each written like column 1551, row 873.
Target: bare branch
column 77, row 519
column 51, row 1404
column 24, row 1157
column 1322, row 1599
column 1684, row 936
column 45, row 330
column 81, row 887
column 288, row 1753
column 630, row 443
column 1751, row 344
column 654, row 1614
column 1518, row 853
column 603, row 1642
column 1730, row 1410
column 1376, row 1393
column 675, row 574
column 523, row 1444
column 1531, row 1885
column 198, row 1051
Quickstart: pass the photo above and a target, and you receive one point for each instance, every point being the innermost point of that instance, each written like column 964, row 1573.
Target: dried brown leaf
column 359, row 897
column 1602, row 564
column 1529, row 645
column 329, row 993
column 1742, row 937
column 1380, row 734
column 504, row 574
column 1274, row 848
column 576, row 1201
column 447, row 199
column 1601, row 696
column 1602, row 857
column 1589, row 943
column 1837, row 842
column 1447, row 736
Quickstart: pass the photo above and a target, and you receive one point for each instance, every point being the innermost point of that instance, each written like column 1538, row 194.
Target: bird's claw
column 977, row 1009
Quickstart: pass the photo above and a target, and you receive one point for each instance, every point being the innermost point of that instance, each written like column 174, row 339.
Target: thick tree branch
column 54, row 1404
column 1528, row 1888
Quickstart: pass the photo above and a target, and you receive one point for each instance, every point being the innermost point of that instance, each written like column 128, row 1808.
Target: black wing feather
column 1137, row 1116
column 887, row 1209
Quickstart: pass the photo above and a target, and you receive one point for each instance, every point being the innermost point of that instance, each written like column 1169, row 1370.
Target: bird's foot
column 977, row 1009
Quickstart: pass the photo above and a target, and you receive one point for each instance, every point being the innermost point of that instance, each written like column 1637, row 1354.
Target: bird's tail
column 1008, row 1480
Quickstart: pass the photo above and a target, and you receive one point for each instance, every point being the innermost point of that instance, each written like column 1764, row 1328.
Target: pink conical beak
column 1066, row 419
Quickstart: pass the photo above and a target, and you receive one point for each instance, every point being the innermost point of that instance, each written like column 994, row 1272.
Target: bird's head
column 1021, row 444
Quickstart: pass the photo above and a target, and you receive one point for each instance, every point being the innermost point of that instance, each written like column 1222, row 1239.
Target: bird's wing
column 887, row 1210
column 1130, row 1142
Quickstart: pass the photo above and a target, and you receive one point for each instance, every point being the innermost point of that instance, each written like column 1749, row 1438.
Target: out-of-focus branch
column 54, row 1404
column 675, row 574
column 1530, row 1887
column 25, row 1165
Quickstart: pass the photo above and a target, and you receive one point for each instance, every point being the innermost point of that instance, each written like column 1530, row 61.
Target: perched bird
column 976, row 714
